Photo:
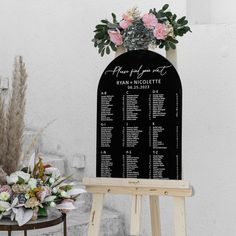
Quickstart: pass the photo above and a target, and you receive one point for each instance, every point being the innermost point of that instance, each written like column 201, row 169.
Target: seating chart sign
column 139, row 118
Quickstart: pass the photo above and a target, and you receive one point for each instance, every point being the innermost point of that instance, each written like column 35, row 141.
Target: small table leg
column 9, row 232
column 25, row 232
column 64, row 225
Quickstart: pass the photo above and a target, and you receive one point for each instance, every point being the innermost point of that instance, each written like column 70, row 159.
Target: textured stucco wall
column 64, row 69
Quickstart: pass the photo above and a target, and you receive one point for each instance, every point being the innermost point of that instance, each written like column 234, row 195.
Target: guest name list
column 139, row 118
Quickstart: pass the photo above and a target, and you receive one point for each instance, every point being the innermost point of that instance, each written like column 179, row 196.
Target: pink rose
column 46, row 191
column 6, row 188
column 124, row 24
column 127, row 18
column 149, row 20
column 115, row 37
column 160, row 31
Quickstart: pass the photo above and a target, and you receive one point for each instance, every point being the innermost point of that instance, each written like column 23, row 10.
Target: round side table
column 54, row 218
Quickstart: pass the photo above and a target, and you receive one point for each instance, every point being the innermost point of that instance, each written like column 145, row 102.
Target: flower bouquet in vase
column 28, row 194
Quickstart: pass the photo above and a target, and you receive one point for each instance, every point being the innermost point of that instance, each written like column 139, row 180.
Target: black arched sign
column 139, row 118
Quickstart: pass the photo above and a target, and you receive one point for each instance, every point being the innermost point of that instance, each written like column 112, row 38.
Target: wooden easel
column 178, row 189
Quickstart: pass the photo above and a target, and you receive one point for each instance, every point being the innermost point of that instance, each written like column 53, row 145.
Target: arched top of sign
column 139, row 118
column 147, row 64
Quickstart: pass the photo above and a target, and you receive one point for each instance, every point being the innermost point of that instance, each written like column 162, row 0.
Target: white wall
column 211, row 11
column 64, row 69
column 54, row 37
column 209, row 131
column 199, row 12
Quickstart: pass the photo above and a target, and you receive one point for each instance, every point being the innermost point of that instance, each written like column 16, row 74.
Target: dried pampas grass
column 12, row 120
column 3, row 176
column 3, row 140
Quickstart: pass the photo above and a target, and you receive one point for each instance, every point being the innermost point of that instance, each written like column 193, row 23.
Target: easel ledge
column 155, row 187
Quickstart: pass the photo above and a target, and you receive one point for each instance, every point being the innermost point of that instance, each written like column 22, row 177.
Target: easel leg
column 96, row 212
column 135, row 215
column 179, row 216
column 155, row 215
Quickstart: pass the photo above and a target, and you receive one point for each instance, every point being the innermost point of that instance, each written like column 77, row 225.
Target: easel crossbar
column 150, row 187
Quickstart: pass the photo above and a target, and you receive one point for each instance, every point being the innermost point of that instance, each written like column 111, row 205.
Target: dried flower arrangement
column 27, row 193
column 135, row 31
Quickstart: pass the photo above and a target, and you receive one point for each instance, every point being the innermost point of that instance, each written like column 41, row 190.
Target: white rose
column 54, row 172
column 50, row 199
column 53, row 204
column 23, row 175
column 32, row 183
column 64, row 194
column 55, row 190
column 12, row 179
column 51, row 180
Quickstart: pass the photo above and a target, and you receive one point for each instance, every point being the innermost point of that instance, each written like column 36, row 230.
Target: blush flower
column 127, row 18
column 149, row 20
column 124, row 24
column 160, row 31
column 41, row 195
column 32, row 203
column 115, row 37
column 6, row 188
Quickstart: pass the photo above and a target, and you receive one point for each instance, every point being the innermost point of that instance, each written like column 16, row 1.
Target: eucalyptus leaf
column 104, row 21
column 100, row 49
column 114, row 18
column 167, row 47
column 165, row 7
column 174, row 17
column 102, row 52
column 168, row 14
column 108, row 50
column 113, row 47
column 172, row 45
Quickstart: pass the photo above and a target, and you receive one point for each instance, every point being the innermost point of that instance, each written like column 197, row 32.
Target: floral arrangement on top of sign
column 136, row 31
column 27, row 195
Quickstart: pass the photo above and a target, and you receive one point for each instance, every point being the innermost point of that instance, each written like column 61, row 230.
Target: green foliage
column 101, row 38
column 179, row 26
column 20, row 180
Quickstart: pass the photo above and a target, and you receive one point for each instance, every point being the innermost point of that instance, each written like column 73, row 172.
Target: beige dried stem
column 34, row 142
column 3, row 141
column 3, row 176
column 15, row 117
